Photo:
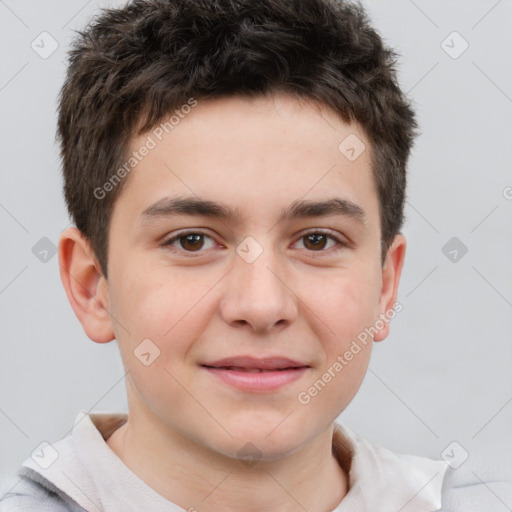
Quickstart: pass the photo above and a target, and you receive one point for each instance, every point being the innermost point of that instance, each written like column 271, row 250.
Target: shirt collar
column 379, row 479
column 85, row 469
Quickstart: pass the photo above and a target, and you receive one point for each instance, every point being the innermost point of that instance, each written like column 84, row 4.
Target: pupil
column 316, row 239
column 194, row 238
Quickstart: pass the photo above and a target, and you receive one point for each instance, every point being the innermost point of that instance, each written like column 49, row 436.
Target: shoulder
column 483, row 483
column 476, row 486
column 30, row 494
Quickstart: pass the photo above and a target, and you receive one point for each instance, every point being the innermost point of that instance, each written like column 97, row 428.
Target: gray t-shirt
column 81, row 472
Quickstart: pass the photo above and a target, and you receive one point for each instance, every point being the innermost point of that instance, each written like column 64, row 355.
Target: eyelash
column 340, row 244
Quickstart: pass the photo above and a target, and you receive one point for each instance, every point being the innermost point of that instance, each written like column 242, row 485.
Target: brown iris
column 318, row 240
column 192, row 241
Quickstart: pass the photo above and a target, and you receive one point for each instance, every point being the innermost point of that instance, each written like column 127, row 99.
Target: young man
column 236, row 172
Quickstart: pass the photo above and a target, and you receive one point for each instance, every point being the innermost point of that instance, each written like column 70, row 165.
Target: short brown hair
column 130, row 67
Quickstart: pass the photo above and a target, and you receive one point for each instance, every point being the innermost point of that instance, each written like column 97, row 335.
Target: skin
column 295, row 299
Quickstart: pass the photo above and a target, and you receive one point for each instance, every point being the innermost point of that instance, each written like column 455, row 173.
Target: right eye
column 189, row 241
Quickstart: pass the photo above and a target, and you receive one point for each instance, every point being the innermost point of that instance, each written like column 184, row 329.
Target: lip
column 264, row 381
column 249, row 362
column 251, row 374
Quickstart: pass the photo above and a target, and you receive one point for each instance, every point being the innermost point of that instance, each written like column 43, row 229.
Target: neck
column 197, row 478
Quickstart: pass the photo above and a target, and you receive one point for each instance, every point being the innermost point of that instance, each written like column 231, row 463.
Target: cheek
column 160, row 317
column 149, row 303
column 347, row 349
column 169, row 311
column 345, row 304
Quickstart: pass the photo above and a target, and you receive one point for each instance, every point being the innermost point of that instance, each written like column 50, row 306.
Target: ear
column 391, row 273
column 85, row 285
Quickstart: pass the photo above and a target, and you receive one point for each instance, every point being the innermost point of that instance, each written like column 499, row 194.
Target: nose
column 259, row 295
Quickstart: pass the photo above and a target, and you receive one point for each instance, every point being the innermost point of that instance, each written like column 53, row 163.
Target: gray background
column 443, row 375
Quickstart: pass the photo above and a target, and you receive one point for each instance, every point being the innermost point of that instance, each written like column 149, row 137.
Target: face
column 257, row 274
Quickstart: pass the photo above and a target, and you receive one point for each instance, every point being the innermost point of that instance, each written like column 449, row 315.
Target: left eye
column 194, row 241
column 317, row 240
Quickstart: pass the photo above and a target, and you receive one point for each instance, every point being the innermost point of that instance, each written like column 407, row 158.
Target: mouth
column 249, row 363
column 252, row 370
column 256, row 375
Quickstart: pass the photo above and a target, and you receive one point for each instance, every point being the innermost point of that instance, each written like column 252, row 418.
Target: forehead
column 256, row 152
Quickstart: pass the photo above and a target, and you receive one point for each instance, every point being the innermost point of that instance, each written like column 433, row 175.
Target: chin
column 268, row 442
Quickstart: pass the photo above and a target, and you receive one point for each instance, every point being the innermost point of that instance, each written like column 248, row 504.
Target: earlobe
column 391, row 273
column 85, row 285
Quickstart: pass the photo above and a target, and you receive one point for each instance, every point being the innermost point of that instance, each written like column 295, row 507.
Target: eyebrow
column 175, row 206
